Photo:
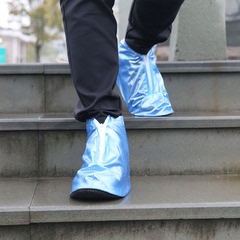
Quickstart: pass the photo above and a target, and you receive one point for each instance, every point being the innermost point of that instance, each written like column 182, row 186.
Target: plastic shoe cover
column 141, row 83
column 105, row 171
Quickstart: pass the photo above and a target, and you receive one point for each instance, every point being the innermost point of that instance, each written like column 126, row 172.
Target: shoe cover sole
column 92, row 194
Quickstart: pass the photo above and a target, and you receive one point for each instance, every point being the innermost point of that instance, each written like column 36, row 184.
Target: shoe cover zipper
column 102, row 135
column 149, row 75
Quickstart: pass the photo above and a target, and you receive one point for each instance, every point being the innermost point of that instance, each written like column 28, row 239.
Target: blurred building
column 13, row 46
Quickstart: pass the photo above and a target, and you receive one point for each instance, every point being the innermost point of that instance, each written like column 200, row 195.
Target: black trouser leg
column 150, row 23
column 90, row 30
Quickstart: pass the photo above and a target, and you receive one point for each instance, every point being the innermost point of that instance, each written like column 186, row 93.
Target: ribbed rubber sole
column 92, row 194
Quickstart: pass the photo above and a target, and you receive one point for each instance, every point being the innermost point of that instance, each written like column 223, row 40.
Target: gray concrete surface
column 19, row 154
column 21, row 93
column 135, row 230
column 15, row 232
column 123, row 13
column 139, row 230
column 168, row 206
column 192, row 86
column 15, row 199
column 199, row 32
column 202, row 92
column 60, row 96
column 60, row 152
column 152, row 198
column 183, row 143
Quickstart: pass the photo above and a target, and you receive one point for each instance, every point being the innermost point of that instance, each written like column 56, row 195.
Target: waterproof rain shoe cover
column 105, row 171
column 141, row 83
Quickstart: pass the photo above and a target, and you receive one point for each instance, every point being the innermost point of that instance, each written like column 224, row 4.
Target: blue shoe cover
column 141, row 83
column 105, row 170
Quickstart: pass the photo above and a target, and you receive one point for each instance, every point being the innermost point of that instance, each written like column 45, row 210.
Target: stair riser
column 203, row 91
column 221, row 229
column 55, row 93
column 36, row 93
column 152, row 152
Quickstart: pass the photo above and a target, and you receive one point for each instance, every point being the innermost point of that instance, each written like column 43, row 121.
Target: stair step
column 171, row 206
column 185, row 169
column 65, row 121
column 47, row 145
column 192, row 86
column 151, row 198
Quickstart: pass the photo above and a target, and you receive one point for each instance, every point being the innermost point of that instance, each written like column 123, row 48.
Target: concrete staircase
column 185, row 167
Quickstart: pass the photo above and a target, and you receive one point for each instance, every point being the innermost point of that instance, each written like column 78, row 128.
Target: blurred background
column 32, row 31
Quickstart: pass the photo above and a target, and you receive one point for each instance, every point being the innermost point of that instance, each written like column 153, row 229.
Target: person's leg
column 139, row 80
column 150, row 23
column 90, row 30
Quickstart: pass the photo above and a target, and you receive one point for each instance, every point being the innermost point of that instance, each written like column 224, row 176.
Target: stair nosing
column 131, row 122
column 165, row 67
